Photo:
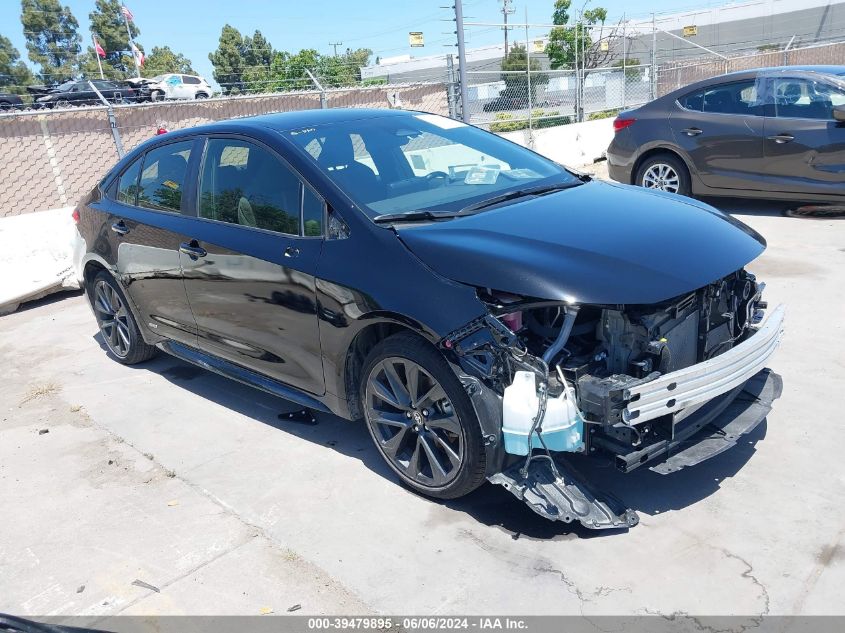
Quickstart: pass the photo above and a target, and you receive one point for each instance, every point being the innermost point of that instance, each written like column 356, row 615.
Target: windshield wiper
column 410, row 216
column 519, row 193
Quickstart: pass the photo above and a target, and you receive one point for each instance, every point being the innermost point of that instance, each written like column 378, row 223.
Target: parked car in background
column 479, row 306
column 77, row 93
column 10, row 101
column 774, row 133
column 172, row 86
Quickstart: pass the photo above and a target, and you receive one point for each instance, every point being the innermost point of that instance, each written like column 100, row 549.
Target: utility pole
column 335, row 45
column 462, row 60
column 506, row 11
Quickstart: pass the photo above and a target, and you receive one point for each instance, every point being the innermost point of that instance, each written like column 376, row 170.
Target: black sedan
column 484, row 310
column 10, row 102
column 76, row 93
column 776, row 133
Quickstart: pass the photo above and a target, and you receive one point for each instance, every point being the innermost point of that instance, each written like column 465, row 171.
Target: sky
column 192, row 27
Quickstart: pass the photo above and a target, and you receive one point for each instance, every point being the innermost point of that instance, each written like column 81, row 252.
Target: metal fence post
column 653, row 56
column 118, row 142
column 450, row 86
column 528, row 75
column 324, row 103
column 624, row 63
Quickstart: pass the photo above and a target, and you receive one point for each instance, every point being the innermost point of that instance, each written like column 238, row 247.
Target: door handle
column 693, row 131
column 120, row 228
column 291, row 251
column 192, row 249
column 781, row 138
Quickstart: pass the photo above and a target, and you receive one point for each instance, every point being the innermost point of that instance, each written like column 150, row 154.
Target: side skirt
column 242, row 375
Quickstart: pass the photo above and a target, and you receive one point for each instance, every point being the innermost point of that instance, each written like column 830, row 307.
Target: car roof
column 284, row 121
column 753, row 73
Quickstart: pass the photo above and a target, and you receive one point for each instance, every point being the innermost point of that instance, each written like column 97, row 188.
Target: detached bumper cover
column 707, row 380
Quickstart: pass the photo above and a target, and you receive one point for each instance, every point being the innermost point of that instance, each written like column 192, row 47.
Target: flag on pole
column 126, row 13
column 100, row 51
column 138, row 55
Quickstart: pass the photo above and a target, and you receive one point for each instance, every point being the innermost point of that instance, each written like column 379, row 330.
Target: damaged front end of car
column 668, row 385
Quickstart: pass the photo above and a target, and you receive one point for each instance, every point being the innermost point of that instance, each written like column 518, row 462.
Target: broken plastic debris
column 145, row 585
column 172, row 503
column 295, row 607
column 265, row 610
column 80, row 589
column 43, row 431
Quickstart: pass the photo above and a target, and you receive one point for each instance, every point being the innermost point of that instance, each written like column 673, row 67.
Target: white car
column 174, row 86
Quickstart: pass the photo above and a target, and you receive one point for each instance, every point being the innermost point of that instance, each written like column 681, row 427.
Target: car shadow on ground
column 642, row 490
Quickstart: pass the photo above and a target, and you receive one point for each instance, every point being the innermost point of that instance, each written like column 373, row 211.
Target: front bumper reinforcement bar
column 704, row 381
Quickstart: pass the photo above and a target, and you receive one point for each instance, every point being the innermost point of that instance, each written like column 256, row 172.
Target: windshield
column 422, row 162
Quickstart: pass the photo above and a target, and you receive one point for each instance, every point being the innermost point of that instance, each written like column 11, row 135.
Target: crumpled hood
column 598, row 243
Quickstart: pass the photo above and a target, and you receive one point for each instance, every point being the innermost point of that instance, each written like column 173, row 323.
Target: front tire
column 117, row 325
column 421, row 419
column 664, row 172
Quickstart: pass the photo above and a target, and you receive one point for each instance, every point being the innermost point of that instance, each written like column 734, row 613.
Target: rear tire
column 421, row 418
column 117, row 325
column 664, row 172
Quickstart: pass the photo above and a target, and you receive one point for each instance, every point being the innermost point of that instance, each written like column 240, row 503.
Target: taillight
column 75, row 216
column 620, row 124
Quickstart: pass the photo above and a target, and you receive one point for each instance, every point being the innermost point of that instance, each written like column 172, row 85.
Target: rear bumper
column 704, row 381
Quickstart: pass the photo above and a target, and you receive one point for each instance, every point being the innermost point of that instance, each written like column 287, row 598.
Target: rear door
column 144, row 230
column 720, row 128
column 250, row 264
column 804, row 145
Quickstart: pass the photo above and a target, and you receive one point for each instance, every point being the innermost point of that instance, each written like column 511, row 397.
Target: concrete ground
column 163, row 489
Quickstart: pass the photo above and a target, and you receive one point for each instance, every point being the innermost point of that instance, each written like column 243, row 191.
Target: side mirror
column 839, row 113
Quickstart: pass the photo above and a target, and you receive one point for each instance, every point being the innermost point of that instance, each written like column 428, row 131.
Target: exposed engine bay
column 634, row 382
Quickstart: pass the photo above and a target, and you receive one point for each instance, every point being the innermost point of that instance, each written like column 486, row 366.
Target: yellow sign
column 415, row 39
column 604, row 46
column 689, row 31
column 538, row 46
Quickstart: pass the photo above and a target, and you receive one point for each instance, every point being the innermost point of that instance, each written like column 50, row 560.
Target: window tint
column 163, row 176
column 734, row 98
column 806, row 98
column 127, row 187
column 190, row 80
column 312, row 213
column 245, row 184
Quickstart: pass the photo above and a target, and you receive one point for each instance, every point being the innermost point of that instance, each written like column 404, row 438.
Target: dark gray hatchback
column 776, row 133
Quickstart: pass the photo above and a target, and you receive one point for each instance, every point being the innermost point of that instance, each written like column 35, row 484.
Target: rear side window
column 245, row 184
column 734, row 98
column 127, row 186
column 190, row 80
column 163, row 177
column 806, row 98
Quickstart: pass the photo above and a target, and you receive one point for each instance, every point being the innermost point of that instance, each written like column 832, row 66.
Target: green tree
column 228, row 60
column 52, row 39
column 15, row 76
column 565, row 41
column 109, row 26
column 258, row 56
column 257, row 50
column 344, row 70
column 163, row 60
column 515, row 74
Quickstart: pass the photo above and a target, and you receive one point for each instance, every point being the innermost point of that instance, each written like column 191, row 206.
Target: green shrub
column 504, row 122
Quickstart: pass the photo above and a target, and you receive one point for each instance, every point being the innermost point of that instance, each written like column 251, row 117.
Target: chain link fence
column 504, row 101
column 51, row 158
